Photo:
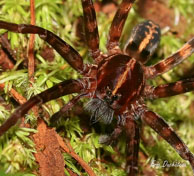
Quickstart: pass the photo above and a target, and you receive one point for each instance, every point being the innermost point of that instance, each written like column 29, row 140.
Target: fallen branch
column 65, row 145
column 19, row 98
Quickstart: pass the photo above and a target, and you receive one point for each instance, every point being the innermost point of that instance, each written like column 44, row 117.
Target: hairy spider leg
column 171, row 61
column 165, row 131
column 133, row 138
column 109, row 139
column 64, row 49
column 55, row 117
column 170, row 89
column 117, row 25
column 61, row 89
column 91, row 28
column 143, row 41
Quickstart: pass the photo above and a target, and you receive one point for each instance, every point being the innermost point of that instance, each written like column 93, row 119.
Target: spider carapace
column 117, row 81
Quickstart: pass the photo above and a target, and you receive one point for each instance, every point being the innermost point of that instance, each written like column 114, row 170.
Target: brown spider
column 116, row 83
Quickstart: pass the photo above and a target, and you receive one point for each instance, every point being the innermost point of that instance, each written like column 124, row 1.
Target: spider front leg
column 65, row 50
column 117, row 25
column 61, row 89
column 165, row 131
column 91, row 28
column 168, row 90
column 133, row 138
column 170, row 62
column 55, row 117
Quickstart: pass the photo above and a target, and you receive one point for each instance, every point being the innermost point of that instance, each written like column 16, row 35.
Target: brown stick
column 31, row 62
column 19, row 98
column 31, row 45
column 68, row 148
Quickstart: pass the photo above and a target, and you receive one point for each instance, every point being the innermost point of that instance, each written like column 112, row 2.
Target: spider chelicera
column 116, row 82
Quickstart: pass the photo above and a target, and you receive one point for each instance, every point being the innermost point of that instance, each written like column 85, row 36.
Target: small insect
column 117, row 81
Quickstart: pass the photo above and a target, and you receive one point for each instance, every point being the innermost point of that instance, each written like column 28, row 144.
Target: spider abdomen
column 120, row 80
column 144, row 40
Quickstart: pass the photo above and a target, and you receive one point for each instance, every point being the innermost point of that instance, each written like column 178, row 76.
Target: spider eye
column 108, row 93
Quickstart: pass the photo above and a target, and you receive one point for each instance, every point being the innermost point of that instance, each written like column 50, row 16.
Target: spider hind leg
column 163, row 129
column 133, row 139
